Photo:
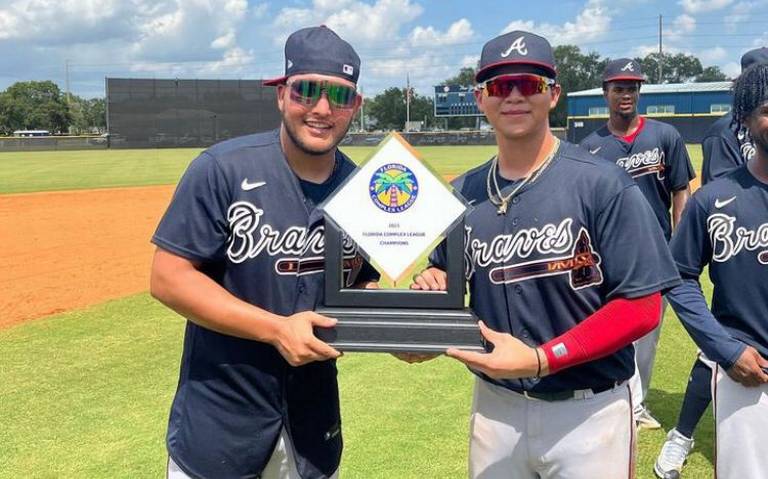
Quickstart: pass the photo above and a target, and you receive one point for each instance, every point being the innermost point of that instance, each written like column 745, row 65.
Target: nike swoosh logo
column 595, row 150
column 719, row 204
column 251, row 186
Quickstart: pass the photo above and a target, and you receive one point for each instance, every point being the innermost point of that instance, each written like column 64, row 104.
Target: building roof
column 667, row 88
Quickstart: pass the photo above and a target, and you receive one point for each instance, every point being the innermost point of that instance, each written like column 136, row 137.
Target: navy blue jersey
column 725, row 226
column 579, row 236
column 656, row 159
column 239, row 210
column 724, row 149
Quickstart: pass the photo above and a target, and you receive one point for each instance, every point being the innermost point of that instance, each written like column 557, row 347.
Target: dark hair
column 750, row 91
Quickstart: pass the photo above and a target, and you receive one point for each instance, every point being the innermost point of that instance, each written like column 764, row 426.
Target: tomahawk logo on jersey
column 655, row 157
column 562, row 259
column 725, row 226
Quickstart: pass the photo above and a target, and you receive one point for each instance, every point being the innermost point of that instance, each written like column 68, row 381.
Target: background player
column 725, row 226
column 257, row 394
column 554, row 275
column 654, row 154
column 724, row 149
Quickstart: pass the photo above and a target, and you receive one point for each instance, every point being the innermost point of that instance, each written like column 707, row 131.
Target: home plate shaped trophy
column 396, row 209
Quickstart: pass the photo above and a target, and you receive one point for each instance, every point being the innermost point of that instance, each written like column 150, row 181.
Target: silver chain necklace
column 503, row 201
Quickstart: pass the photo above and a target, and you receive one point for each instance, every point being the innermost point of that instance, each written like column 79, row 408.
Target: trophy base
column 401, row 330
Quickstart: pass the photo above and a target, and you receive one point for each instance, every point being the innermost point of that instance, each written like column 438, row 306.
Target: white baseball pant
column 741, row 422
column 515, row 437
column 281, row 465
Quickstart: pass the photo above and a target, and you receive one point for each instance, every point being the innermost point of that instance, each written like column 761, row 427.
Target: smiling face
column 622, row 97
column 516, row 115
column 316, row 128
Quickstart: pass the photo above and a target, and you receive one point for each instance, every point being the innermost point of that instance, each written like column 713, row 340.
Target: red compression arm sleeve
column 610, row 328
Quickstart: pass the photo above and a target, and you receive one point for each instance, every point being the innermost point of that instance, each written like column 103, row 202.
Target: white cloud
column 739, row 13
column 224, row 41
column 458, row 32
column 700, row 6
column 591, row 23
column 259, row 11
column 732, row 69
column 711, row 56
column 684, row 24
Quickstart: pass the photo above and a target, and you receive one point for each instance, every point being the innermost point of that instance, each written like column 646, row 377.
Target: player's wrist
column 542, row 366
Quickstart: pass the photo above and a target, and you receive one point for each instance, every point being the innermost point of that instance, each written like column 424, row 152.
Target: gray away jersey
column 725, row 226
column 656, row 159
column 239, row 210
column 579, row 236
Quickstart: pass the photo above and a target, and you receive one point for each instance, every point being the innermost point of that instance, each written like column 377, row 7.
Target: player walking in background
column 725, row 226
column 654, row 155
column 257, row 394
column 724, row 149
column 560, row 273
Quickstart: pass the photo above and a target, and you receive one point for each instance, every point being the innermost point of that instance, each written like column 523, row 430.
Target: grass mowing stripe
column 56, row 170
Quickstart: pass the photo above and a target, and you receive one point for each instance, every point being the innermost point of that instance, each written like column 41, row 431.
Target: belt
column 569, row 394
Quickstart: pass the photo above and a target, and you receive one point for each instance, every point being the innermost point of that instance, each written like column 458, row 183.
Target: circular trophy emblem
column 393, row 188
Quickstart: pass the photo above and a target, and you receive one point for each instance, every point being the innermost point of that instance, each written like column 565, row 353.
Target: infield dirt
column 68, row 250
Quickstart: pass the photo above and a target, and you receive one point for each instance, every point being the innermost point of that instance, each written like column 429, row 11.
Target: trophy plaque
column 394, row 208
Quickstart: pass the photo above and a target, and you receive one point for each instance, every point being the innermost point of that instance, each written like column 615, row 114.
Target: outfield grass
column 87, row 394
column 24, row 172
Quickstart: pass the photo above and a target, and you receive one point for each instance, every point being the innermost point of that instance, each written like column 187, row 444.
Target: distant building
column 31, row 133
column 689, row 107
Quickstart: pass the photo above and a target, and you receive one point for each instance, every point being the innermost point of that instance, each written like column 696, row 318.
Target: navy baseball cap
column 318, row 50
column 758, row 55
column 516, row 48
column 623, row 69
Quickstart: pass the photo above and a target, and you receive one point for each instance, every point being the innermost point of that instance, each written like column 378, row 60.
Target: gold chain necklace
column 503, row 201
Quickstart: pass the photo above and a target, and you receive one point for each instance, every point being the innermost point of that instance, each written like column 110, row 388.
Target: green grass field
column 87, row 393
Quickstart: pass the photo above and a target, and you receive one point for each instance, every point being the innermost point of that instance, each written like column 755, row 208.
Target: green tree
column 88, row 115
column 33, row 105
column 711, row 74
column 387, row 109
column 575, row 71
column 678, row 68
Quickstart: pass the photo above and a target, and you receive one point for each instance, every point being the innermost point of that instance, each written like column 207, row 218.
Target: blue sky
column 426, row 40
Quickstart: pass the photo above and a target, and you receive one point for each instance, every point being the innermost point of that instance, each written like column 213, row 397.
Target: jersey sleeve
column 195, row 225
column 633, row 252
column 690, row 245
column 720, row 157
column 680, row 169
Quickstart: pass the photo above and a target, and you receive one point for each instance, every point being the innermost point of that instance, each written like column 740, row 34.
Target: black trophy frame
column 392, row 320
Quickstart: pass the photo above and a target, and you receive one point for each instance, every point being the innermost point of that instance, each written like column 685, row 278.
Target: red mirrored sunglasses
column 526, row 84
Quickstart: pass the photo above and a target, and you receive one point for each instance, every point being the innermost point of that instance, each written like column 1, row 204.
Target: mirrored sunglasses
column 308, row 92
column 527, row 85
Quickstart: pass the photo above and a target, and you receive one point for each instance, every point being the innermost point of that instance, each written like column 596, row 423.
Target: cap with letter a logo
column 516, row 48
column 623, row 69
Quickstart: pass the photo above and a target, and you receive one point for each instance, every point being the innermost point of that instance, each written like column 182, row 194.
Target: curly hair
column 750, row 91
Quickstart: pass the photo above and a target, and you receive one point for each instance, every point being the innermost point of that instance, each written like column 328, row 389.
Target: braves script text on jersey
column 241, row 212
column 571, row 241
column 656, row 159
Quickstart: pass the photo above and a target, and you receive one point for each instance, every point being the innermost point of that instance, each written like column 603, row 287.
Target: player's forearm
column 612, row 327
column 679, row 199
column 715, row 341
column 181, row 287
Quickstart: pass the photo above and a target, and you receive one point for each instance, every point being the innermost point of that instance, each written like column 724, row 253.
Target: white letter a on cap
column 518, row 45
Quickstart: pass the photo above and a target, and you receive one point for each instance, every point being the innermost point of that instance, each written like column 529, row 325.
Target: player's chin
column 319, row 145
